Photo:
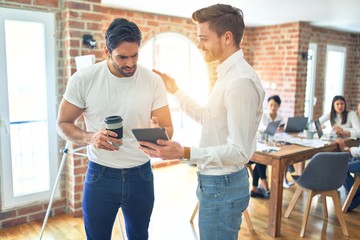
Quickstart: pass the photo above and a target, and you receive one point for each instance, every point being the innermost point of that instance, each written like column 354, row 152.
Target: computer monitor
column 296, row 124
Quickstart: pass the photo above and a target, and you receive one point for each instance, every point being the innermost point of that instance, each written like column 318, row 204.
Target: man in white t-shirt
column 117, row 177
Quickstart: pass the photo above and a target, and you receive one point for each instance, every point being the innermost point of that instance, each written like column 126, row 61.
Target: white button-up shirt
column 229, row 120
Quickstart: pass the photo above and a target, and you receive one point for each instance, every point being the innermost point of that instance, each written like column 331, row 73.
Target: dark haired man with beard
column 117, row 177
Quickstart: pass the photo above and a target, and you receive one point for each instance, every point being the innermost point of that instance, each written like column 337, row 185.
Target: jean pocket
column 92, row 176
column 147, row 174
column 239, row 204
column 209, row 192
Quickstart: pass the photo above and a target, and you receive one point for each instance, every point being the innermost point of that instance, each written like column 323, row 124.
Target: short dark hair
column 333, row 112
column 276, row 98
column 121, row 30
column 222, row 18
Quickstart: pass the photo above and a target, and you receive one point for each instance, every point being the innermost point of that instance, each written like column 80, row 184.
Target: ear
column 107, row 52
column 228, row 37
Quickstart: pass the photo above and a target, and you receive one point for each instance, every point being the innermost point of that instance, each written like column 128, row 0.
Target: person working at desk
column 340, row 118
column 229, row 124
column 259, row 171
column 353, row 165
column 119, row 175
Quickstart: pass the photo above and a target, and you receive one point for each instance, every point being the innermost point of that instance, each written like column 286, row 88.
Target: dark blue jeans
column 108, row 189
column 353, row 167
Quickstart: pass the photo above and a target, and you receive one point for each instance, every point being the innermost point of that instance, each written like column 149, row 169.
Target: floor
column 175, row 187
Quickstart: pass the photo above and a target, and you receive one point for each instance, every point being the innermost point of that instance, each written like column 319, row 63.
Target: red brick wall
column 273, row 51
column 78, row 18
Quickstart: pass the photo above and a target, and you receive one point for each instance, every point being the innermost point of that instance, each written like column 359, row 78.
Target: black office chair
column 323, row 175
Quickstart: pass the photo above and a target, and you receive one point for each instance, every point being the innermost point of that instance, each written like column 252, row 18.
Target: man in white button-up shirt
column 229, row 124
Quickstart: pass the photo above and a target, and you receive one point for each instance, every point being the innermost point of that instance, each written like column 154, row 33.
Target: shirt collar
column 226, row 65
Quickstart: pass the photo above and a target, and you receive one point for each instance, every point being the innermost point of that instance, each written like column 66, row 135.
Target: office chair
column 323, row 175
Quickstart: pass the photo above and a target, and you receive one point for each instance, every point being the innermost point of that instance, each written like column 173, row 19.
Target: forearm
column 355, row 133
column 189, row 106
column 73, row 133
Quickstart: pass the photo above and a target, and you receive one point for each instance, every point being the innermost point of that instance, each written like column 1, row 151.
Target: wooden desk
column 279, row 161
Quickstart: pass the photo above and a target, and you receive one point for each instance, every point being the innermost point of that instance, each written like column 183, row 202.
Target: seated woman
column 340, row 118
column 259, row 171
column 353, row 166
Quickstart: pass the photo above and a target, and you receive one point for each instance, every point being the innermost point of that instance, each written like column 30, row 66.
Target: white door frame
column 48, row 20
column 310, row 100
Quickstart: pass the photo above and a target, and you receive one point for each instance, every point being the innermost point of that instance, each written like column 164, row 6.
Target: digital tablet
column 150, row 134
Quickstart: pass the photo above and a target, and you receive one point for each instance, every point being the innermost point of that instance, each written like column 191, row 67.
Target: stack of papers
column 261, row 147
column 284, row 137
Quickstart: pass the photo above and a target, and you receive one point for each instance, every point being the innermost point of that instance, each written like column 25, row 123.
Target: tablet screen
column 150, row 134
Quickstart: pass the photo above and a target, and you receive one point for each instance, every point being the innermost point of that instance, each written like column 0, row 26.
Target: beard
column 210, row 55
column 124, row 71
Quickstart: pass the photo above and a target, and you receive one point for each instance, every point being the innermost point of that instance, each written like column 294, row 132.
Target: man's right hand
column 341, row 144
column 169, row 82
column 103, row 138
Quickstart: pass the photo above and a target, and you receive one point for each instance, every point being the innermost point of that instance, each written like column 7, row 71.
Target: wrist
column 186, row 153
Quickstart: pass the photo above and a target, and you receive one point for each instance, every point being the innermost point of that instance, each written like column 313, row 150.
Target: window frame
column 48, row 20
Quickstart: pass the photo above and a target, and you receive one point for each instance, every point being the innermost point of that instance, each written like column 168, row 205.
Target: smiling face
column 123, row 59
column 339, row 106
column 210, row 43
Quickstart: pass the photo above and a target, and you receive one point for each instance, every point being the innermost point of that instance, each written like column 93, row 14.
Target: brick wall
column 78, row 18
column 274, row 52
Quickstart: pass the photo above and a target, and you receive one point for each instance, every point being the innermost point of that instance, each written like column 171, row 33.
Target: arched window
column 179, row 57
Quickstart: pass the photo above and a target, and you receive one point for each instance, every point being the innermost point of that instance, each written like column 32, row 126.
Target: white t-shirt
column 101, row 94
column 266, row 119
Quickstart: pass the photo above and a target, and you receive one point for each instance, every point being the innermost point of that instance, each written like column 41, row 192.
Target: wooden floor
column 175, row 200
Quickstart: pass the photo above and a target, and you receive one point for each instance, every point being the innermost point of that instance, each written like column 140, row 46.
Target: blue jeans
column 108, row 189
column 222, row 200
column 353, row 167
